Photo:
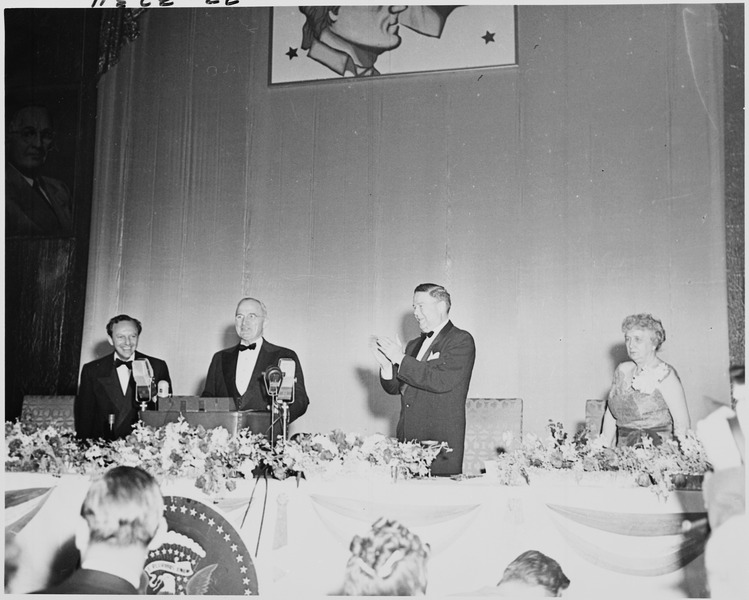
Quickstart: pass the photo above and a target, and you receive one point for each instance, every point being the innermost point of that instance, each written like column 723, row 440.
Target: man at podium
column 106, row 406
column 238, row 372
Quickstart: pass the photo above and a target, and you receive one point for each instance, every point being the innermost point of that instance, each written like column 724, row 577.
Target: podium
column 208, row 412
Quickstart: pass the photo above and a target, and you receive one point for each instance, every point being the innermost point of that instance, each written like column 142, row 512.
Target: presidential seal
column 202, row 554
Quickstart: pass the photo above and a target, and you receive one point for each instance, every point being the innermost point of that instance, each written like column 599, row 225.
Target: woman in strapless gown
column 646, row 397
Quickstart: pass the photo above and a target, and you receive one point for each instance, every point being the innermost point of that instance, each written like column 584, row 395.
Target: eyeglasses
column 250, row 317
column 29, row 134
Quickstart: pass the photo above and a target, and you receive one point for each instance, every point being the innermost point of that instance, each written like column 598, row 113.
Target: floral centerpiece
column 42, row 450
column 213, row 458
column 664, row 467
column 351, row 455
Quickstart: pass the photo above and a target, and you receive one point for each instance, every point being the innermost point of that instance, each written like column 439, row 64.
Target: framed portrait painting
column 314, row 43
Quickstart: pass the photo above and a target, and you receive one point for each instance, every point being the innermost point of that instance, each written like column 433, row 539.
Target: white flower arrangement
column 214, row 458
column 663, row 468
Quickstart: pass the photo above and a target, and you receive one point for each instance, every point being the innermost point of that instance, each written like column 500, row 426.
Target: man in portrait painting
column 349, row 39
column 35, row 205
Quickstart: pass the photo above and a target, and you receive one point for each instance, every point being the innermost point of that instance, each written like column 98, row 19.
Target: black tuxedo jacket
column 222, row 374
column 100, row 394
column 27, row 213
column 433, row 394
column 89, row 581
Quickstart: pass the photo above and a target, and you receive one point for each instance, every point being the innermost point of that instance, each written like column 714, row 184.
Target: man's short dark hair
column 318, row 19
column 118, row 319
column 435, row 291
column 123, row 507
column 535, row 568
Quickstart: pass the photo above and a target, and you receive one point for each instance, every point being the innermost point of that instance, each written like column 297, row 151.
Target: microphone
column 273, row 377
column 286, row 391
column 162, row 389
column 143, row 375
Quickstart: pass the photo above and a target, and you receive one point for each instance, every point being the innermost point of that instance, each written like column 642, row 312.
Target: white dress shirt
column 123, row 373
column 428, row 341
column 246, row 365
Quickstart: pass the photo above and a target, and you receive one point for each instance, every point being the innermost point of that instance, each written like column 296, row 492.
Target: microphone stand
column 285, row 415
column 273, row 414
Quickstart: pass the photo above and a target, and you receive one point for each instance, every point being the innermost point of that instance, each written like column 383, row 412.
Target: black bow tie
column 250, row 347
column 118, row 363
column 430, row 334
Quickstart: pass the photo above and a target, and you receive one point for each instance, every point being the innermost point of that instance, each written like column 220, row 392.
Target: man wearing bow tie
column 432, row 376
column 237, row 372
column 106, row 406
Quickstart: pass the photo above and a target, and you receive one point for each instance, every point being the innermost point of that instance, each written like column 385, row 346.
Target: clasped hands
column 387, row 351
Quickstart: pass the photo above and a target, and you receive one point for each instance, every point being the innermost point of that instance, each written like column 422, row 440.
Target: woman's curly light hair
column 389, row 561
column 647, row 322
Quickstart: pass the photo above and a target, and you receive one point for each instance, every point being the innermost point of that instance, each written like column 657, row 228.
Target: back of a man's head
column 533, row 571
column 123, row 508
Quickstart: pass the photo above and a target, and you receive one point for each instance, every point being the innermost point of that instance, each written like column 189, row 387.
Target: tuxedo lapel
column 229, row 366
column 416, row 346
column 439, row 340
column 263, row 361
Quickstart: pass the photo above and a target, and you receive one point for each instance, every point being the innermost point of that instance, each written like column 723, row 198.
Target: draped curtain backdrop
column 552, row 199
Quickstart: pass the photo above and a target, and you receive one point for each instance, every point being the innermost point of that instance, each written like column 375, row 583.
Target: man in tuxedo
column 106, row 405
column 35, row 205
column 237, row 372
column 432, row 376
column 122, row 518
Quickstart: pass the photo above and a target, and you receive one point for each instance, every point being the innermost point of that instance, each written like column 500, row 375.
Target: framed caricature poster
column 313, row 43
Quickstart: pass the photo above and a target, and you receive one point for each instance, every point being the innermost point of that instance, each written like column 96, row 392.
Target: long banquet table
column 610, row 541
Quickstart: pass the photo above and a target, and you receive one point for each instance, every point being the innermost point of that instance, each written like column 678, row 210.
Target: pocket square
column 433, row 355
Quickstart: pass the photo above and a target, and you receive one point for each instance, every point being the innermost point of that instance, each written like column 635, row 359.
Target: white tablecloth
column 611, row 542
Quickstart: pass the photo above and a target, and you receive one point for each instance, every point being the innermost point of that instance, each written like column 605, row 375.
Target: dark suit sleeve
column 301, row 401
column 84, row 408
column 213, row 379
column 441, row 375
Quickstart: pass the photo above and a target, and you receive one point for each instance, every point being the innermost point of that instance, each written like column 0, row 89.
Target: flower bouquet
column 663, row 468
column 350, row 455
column 214, row 459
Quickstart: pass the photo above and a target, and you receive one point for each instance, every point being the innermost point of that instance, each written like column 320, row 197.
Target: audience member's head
column 388, row 561
column 123, row 509
column 533, row 574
